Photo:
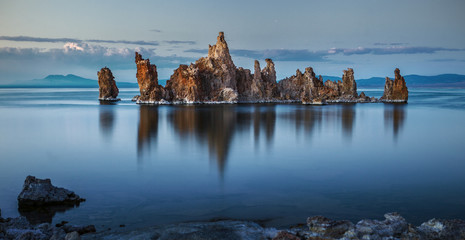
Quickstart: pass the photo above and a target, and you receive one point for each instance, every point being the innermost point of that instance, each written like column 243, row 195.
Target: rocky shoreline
column 40, row 193
column 392, row 227
column 215, row 79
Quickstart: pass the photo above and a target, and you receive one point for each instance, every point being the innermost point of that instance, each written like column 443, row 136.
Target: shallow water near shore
column 142, row 165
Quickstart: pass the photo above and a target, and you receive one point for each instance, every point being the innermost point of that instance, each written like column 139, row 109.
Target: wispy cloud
column 447, row 60
column 37, row 39
column 144, row 43
column 322, row 55
column 174, row 42
column 392, row 50
column 389, row 44
column 64, row 40
column 87, row 55
column 76, row 40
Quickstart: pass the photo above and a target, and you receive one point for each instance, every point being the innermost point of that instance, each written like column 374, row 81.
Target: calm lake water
column 274, row 163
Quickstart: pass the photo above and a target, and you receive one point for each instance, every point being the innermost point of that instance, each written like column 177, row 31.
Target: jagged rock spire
column 395, row 90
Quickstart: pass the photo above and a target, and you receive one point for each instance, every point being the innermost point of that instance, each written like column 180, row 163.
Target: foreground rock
column 395, row 90
column 40, row 192
column 227, row 230
column 20, row 228
column 108, row 91
column 392, row 227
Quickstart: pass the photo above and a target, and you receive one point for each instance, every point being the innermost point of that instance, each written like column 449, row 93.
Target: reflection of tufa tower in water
column 394, row 117
column 148, row 128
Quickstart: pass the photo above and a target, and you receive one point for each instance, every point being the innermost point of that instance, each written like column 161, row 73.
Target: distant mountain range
column 438, row 81
column 61, row 81
column 73, row 81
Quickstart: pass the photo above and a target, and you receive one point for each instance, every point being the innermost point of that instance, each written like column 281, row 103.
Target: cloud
column 59, row 40
column 180, row 42
column 90, row 56
column 275, row 54
column 155, row 30
column 392, row 50
column 447, row 60
column 390, row 44
column 65, row 40
column 322, row 55
column 145, row 43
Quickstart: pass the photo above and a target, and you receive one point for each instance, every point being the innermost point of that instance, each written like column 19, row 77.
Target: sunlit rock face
column 211, row 78
column 107, row 85
column 147, row 78
column 395, row 90
column 215, row 78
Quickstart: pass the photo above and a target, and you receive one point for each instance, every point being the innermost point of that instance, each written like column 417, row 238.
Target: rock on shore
column 40, row 192
column 108, row 91
column 20, row 228
column 393, row 227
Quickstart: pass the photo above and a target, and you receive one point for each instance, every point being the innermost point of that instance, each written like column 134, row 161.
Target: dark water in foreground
column 147, row 165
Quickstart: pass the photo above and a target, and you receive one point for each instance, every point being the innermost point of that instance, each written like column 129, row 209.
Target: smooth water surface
column 276, row 163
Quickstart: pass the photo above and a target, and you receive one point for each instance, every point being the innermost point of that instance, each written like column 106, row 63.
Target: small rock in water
column 108, row 91
column 135, row 98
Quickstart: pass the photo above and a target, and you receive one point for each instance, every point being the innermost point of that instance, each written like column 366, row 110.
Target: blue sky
column 38, row 38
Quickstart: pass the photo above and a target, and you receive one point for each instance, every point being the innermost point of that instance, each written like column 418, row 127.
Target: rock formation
column 349, row 86
column 20, row 228
column 259, row 87
column 301, row 86
column 209, row 79
column 108, row 90
column 40, row 192
column 147, row 78
column 308, row 89
column 395, row 90
column 215, row 78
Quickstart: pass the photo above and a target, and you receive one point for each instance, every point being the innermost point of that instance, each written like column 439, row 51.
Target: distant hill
column 439, row 81
column 61, row 81
column 73, row 81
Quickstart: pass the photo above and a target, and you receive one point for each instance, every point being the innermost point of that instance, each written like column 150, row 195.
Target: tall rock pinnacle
column 107, row 86
column 395, row 90
column 147, row 78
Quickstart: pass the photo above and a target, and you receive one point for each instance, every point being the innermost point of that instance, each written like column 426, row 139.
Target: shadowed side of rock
column 259, row 87
column 108, row 91
column 395, row 90
column 308, row 89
